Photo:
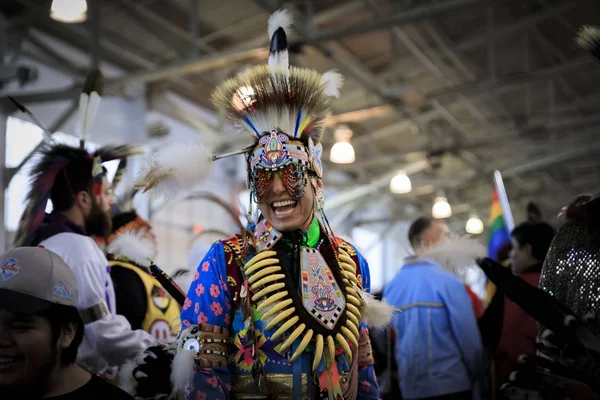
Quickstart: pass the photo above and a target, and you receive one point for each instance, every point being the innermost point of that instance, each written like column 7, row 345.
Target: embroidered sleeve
column 208, row 304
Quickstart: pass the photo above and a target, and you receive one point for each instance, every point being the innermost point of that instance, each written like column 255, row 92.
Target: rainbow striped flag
column 499, row 235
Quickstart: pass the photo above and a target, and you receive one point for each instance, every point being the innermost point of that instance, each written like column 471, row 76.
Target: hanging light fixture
column 342, row 151
column 69, row 11
column 474, row 225
column 441, row 208
column 400, row 183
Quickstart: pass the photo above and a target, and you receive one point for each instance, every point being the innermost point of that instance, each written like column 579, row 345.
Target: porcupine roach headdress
column 283, row 107
column 588, row 38
column 56, row 158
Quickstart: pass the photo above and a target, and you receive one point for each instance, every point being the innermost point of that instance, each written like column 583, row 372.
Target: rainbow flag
column 499, row 235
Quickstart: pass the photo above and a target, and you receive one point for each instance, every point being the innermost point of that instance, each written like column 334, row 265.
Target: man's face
column 106, row 199
column 27, row 353
column 283, row 211
column 437, row 232
column 520, row 257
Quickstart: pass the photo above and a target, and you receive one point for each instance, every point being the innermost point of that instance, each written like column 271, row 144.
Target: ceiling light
column 441, row 208
column 400, row 183
column 474, row 225
column 68, row 11
column 342, row 151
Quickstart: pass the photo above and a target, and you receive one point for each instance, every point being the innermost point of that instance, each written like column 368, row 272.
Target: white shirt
column 110, row 340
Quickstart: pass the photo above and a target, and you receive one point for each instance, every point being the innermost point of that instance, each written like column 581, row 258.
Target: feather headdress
column 266, row 100
column 277, row 96
column 588, row 38
column 54, row 160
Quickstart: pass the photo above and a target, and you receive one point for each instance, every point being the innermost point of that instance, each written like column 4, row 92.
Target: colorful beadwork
column 274, row 155
column 265, row 235
column 321, row 295
column 315, row 157
column 293, row 177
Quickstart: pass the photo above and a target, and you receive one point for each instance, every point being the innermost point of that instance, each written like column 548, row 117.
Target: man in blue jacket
column 438, row 348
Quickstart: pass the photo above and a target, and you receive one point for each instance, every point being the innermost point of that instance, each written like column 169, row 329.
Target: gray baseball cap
column 34, row 278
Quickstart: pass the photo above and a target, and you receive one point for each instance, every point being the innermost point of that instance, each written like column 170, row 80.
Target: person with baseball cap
column 40, row 331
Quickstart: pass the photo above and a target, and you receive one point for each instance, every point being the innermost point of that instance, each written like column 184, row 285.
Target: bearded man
column 74, row 181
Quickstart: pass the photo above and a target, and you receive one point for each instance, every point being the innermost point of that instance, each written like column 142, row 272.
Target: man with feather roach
column 281, row 309
column 74, row 180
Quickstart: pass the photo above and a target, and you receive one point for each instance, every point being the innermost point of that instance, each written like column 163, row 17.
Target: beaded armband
column 210, row 343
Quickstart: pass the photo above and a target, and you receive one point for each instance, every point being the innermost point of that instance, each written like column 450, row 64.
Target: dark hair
column 538, row 235
column 72, row 179
column 59, row 316
column 417, row 228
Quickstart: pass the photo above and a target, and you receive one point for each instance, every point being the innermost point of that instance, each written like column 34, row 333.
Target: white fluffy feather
column 184, row 165
column 131, row 245
column 126, row 379
column 182, row 370
column 333, row 82
column 279, row 19
column 377, row 314
column 456, row 254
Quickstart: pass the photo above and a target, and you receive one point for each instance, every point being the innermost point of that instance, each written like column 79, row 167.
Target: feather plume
column 118, row 152
column 279, row 19
column 279, row 22
column 31, row 116
column 182, row 368
column 89, row 102
column 121, row 153
column 132, row 246
column 263, row 98
column 119, row 172
column 53, row 160
column 456, row 254
column 126, row 378
column 333, row 81
column 377, row 314
column 175, row 169
column 588, row 38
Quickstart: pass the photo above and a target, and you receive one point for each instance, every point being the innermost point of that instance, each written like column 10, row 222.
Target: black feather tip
column 278, row 41
column 94, row 82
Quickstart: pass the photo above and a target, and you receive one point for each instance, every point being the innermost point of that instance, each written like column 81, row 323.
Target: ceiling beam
column 525, row 23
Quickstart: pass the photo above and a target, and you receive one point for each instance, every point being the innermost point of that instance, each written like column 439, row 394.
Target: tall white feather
column 181, row 166
column 279, row 59
column 132, row 246
column 84, row 99
column 92, row 111
column 456, row 254
column 333, row 82
column 279, row 19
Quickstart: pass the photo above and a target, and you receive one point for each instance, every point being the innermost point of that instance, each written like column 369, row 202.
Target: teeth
column 284, row 203
column 6, row 360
